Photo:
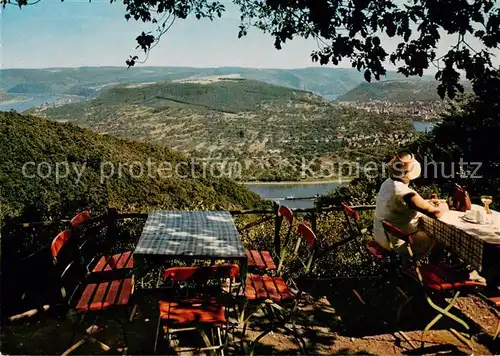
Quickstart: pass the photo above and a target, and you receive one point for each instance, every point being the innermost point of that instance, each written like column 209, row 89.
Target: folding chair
column 385, row 259
column 84, row 298
column 356, row 232
column 263, row 260
column 202, row 307
column 273, row 294
column 79, row 219
column 106, row 266
column 434, row 280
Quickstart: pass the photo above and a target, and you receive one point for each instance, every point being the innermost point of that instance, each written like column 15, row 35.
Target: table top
column 490, row 233
column 193, row 234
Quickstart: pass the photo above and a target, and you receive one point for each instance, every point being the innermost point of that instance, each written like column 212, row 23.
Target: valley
column 258, row 130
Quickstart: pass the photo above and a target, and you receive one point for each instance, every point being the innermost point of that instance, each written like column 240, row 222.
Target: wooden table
column 476, row 244
column 190, row 235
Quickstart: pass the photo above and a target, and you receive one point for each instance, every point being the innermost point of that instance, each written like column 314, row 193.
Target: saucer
column 469, row 220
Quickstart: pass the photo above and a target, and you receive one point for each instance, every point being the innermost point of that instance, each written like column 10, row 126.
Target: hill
column 98, row 171
column 88, row 81
column 269, row 132
column 396, row 91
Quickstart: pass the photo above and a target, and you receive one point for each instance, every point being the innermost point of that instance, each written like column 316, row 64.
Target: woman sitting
column 400, row 205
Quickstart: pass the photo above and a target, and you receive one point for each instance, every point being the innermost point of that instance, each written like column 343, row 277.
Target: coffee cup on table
column 479, row 217
column 471, row 215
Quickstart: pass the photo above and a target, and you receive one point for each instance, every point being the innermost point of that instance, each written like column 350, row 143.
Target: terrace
column 348, row 304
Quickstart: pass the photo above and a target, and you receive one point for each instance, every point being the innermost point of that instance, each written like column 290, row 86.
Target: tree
column 352, row 29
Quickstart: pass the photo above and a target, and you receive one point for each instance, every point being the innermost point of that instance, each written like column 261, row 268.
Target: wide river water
column 35, row 100
column 280, row 191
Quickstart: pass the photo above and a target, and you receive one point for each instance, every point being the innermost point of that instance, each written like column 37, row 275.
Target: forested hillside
column 94, row 178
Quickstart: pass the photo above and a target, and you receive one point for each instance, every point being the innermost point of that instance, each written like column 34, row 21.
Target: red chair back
column 307, row 235
column 395, row 231
column 80, row 219
column 67, row 262
column 353, row 223
column 59, row 242
column 350, row 212
column 285, row 212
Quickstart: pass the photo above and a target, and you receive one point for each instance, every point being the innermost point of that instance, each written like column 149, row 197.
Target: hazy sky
column 78, row 33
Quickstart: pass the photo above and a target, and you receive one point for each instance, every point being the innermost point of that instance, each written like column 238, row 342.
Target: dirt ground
column 331, row 320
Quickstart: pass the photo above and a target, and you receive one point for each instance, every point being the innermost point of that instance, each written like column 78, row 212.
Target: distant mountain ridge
column 396, row 91
column 88, row 81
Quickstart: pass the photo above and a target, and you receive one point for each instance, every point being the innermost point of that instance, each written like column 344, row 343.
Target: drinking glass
column 487, row 200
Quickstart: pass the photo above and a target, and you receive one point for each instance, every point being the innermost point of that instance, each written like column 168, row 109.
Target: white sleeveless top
column 392, row 207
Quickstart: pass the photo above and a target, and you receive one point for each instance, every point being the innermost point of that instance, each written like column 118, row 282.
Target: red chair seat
column 441, row 277
column 97, row 296
column 192, row 310
column 495, row 301
column 267, row 287
column 261, row 260
column 376, row 250
column 123, row 260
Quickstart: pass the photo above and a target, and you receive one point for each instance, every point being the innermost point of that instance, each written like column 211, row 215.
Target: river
column 279, row 191
column 33, row 101
column 421, row 126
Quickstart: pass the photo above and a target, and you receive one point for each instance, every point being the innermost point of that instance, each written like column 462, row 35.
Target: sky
column 77, row 33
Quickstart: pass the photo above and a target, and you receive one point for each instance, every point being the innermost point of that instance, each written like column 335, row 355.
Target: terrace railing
column 29, row 269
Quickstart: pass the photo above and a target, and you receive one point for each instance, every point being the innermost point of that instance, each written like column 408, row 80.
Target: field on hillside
column 270, row 132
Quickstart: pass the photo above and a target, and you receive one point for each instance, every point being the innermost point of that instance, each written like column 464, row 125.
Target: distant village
column 416, row 110
column 59, row 102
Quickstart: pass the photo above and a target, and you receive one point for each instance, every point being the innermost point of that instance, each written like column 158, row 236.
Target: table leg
column 243, row 271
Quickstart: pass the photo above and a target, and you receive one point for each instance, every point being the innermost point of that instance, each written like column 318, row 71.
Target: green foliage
column 29, row 139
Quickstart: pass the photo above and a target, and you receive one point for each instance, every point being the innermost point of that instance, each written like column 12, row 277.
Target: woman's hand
column 443, row 209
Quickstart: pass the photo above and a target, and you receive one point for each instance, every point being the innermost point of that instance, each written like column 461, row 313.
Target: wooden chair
column 387, row 261
column 79, row 219
column 263, row 260
column 356, row 232
column 277, row 297
column 83, row 298
column 434, row 281
column 105, row 266
column 201, row 307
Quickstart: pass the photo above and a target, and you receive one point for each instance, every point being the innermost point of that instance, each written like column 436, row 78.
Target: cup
column 479, row 217
column 470, row 215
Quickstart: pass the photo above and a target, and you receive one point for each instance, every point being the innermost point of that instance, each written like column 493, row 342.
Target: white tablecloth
column 467, row 240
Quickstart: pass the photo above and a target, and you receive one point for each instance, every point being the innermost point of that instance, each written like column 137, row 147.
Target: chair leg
column 443, row 312
column 465, row 338
column 300, row 340
column 76, row 320
column 261, row 335
column 220, row 341
column 124, row 330
column 157, row 335
column 207, row 341
column 400, row 309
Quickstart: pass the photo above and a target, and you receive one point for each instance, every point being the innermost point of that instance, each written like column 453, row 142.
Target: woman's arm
column 416, row 202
